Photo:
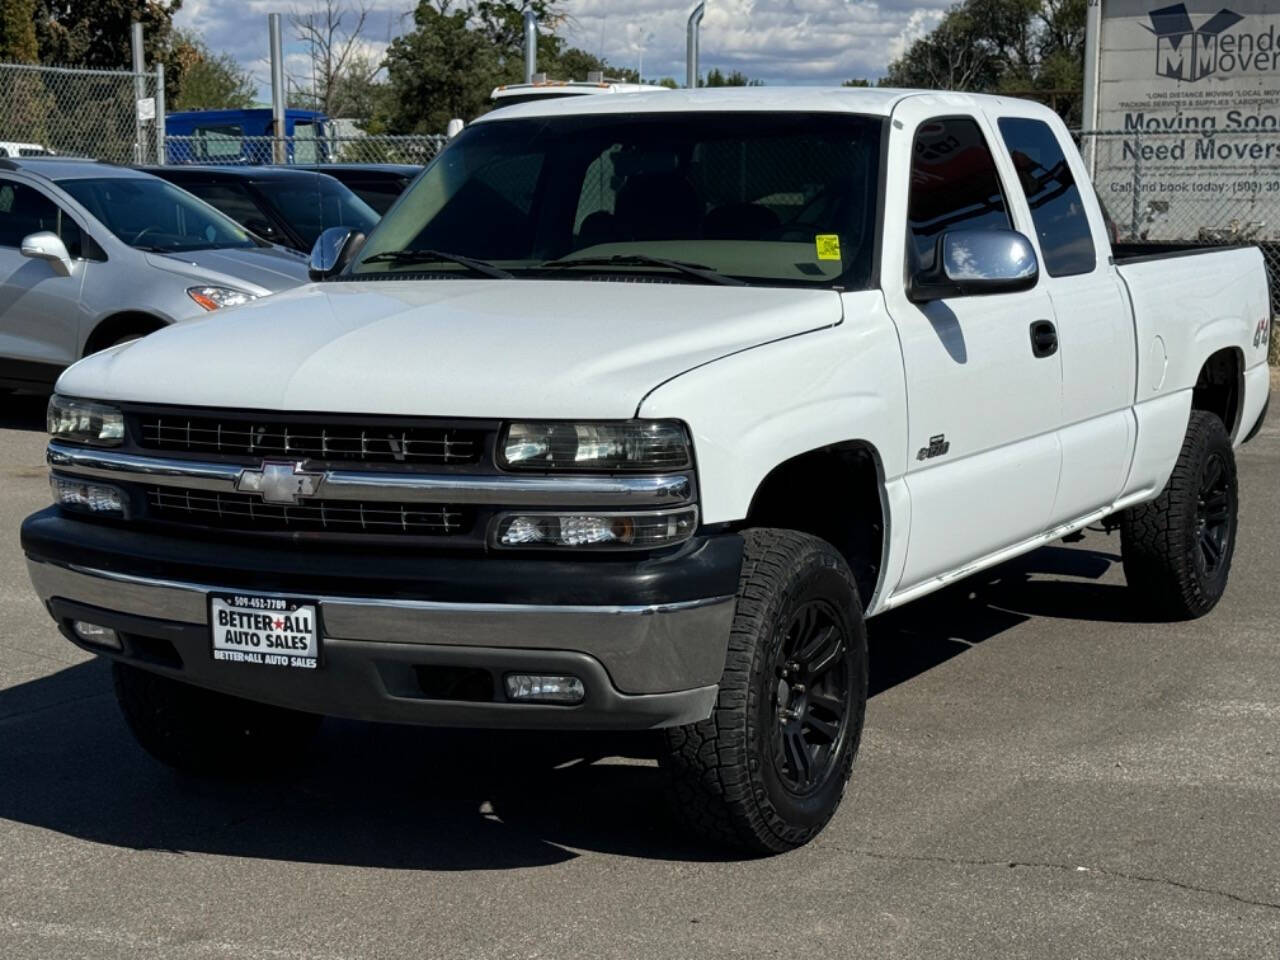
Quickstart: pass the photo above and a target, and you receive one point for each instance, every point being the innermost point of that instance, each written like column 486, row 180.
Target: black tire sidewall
column 1209, row 589
column 820, row 575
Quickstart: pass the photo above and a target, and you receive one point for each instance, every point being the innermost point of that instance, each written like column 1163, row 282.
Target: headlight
column 215, row 298
column 626, row 445
column 587, row 529
column 85, row 422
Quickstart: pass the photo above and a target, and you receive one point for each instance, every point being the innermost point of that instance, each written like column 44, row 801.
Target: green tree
column 718, row 78
column 456, row 53
column 1028, row 47
column 208, row 81
column 96, row 33
column 857, row 82
column 18, row 31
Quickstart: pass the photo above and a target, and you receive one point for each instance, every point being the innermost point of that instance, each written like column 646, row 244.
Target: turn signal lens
column 87, row 497
column 85, row 422
column 599, row 530
column 215, row 298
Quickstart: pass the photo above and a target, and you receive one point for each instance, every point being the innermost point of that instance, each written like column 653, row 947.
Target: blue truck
column 243, row 136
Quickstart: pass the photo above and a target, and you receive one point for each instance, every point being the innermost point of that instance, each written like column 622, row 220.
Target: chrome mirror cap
column 975, row 262
column 333, row 250
column 48, row 246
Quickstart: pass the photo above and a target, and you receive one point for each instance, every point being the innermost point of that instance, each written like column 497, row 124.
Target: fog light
column 96, row 634
column 87, row 497
column 540, row 688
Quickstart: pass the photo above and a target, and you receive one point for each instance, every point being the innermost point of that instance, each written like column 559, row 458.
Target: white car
column 628, row 415
column 540, row 89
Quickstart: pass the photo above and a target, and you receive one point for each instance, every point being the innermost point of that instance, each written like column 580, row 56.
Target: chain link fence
column 225, row 149
column 104, row 114
column 1194, row 186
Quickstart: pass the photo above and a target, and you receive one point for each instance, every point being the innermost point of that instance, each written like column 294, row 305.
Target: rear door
column 983, row 409
column 40, row 311
column 1095, row 325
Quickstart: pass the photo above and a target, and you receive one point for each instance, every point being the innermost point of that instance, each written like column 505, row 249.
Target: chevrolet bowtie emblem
column 280, row 482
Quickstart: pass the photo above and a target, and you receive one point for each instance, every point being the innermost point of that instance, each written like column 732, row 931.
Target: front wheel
column 1177, row 549
column 768, row 769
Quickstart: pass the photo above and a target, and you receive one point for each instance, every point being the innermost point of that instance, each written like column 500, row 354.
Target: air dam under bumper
column 643, row 665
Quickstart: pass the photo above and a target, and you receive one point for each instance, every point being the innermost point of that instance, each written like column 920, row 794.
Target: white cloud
column 777, row 41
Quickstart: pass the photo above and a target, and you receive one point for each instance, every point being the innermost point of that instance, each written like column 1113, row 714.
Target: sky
column 777, row 41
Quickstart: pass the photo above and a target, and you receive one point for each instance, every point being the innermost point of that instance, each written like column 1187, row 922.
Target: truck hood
column 263, row 269
column 456, row 348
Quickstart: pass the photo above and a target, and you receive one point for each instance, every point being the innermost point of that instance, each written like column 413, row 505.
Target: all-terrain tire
column 731, row 775
column 201, row 731
column 1176, row 569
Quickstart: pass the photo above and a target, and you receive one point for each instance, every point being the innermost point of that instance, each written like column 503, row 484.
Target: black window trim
column 1011, row 210
column 1034, row 233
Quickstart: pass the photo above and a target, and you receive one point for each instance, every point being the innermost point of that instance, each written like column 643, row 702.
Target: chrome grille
column 364, row 443
column 238, row 511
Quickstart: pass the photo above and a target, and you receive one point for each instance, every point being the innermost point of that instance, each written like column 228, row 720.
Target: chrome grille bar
column 369, row 487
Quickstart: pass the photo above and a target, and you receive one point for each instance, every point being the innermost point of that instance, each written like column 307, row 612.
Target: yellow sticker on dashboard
column 828, row 246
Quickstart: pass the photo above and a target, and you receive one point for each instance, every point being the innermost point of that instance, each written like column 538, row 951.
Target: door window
column 954, row 186
column 1066, row 242
column 220, row 142
column 24, row 210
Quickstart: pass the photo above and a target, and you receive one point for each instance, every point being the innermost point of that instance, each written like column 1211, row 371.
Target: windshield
column 769, row 198
column 151, row 214
column 313, row 204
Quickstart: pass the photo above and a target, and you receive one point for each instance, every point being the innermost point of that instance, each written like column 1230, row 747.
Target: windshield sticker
column 828, row 246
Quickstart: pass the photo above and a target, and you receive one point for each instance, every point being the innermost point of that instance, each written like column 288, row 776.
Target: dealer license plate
column 270, row 631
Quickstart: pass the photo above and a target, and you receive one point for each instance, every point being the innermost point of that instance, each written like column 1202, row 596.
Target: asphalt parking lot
column 1043, row 775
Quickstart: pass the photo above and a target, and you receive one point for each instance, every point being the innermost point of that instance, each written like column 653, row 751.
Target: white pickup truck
column 628, row 415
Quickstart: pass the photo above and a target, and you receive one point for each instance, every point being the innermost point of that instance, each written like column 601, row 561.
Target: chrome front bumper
column 644, row 666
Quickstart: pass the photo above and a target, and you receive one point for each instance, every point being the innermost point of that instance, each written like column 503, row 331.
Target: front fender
column 753, row 410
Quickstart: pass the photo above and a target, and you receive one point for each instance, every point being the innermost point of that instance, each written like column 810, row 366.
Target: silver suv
column 93, row 254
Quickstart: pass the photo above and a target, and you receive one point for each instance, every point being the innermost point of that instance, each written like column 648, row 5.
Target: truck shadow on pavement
column 411, row 798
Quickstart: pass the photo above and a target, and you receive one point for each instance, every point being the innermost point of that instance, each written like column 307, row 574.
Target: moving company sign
column 1192, row 93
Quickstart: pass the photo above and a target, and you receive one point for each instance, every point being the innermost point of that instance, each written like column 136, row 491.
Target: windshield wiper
column 699, row 270
column 433, row 256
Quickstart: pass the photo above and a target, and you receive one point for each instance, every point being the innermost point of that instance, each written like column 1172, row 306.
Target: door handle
column 1044, row 338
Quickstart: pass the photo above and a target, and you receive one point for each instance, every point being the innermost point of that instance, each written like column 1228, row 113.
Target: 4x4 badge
column 280, row 482
column 937, row 447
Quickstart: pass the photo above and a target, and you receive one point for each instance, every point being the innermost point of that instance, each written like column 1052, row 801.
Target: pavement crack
column 1066, row 868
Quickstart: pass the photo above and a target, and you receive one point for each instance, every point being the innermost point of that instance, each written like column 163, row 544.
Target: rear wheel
column 201, row 731
column 767, row 770
column 1177, row 548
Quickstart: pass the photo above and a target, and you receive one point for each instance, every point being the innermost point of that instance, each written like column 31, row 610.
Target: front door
column 983, row 408
column 39, row 309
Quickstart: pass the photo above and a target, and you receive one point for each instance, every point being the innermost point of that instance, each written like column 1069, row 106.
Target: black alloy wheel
column 810, row 705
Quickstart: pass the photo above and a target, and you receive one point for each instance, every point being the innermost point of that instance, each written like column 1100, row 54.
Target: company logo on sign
column 1190, row 53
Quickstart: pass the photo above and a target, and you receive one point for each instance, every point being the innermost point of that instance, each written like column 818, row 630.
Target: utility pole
column 139, row 89
column 691, row 46
column 279, row 153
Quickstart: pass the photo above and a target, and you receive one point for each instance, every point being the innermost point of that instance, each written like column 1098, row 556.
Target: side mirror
column 333, row 250
column 453, row 128
column 48, row 246
column 972, row 262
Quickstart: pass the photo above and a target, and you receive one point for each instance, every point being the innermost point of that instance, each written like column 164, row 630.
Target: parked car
column 12, row 148
column 243, row 136
column 377, row 184
column 628, row 415
column 93, row 254
column 540, row 89
column 286, row 206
